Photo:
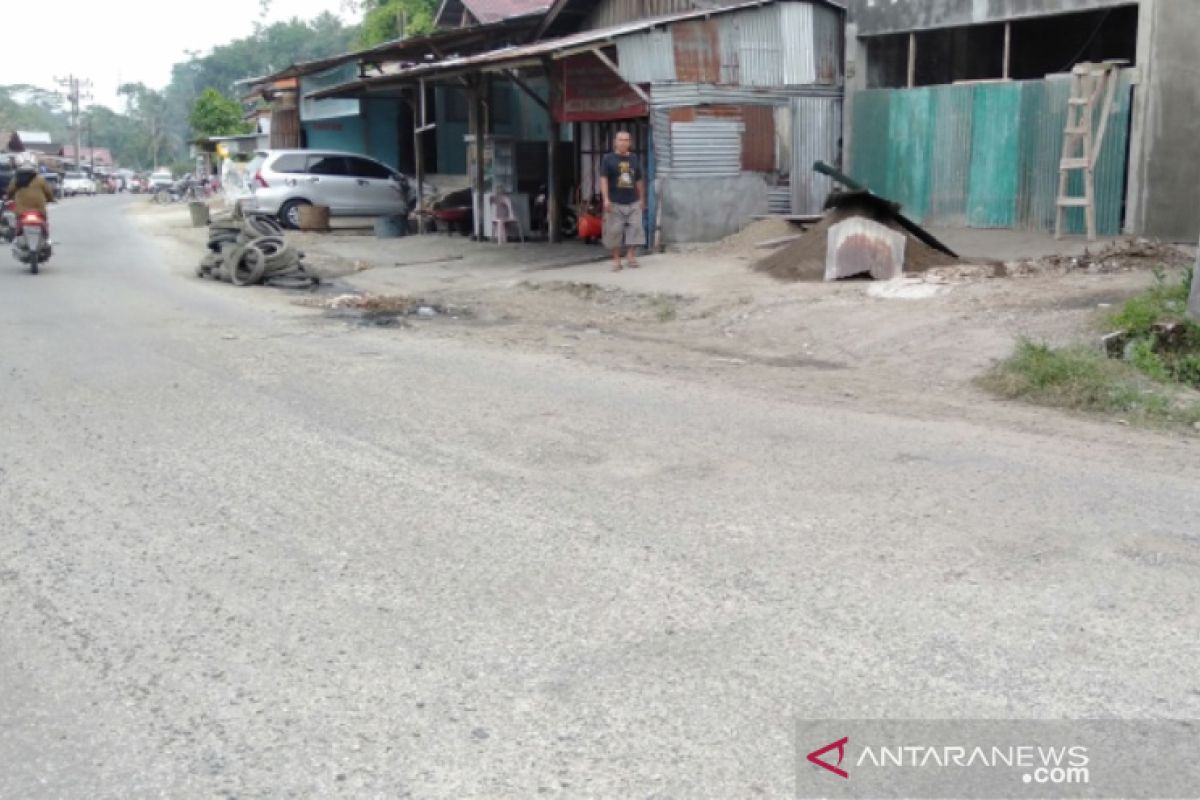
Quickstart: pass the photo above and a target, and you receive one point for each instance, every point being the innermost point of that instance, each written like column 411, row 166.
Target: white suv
column 281, row 182
column 78, row 183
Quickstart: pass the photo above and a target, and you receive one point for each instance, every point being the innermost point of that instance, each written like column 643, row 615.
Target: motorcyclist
column 29, row 191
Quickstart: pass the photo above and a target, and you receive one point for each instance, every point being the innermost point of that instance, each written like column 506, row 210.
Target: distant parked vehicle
column 78, row 183
column 161, row 180
column 282, row 182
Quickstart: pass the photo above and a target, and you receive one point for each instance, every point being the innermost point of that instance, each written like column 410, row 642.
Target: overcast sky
column 131, row 40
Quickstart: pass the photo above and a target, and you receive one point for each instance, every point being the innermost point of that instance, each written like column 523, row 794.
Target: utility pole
column 78, row 92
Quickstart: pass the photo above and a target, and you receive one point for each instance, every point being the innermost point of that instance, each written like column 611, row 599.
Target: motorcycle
column 8, row 222
column 32, row 243
column 568, row 220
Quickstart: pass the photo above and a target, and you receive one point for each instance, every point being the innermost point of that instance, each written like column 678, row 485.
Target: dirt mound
column 745, row 242
column 804, row 259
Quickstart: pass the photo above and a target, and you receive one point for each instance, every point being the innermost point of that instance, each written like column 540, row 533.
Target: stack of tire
column 252, row 251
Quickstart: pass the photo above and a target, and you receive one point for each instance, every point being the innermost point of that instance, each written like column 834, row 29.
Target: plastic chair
column 503, row 215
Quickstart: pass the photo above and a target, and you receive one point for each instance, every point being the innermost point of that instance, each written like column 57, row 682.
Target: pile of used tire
column 252, row 251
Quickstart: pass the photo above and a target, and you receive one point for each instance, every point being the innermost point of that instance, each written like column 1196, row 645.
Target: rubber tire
column 250, row 269
column 286, row 212
column 568, row 224
column 33, row 263
column 260, row 225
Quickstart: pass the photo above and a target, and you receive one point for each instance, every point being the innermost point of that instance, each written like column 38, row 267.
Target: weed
column 1174, row 358
column 667, row 311
column 1082, row 379
column 1163, row 302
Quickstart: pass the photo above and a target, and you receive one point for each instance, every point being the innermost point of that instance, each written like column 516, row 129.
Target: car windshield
column 74, row 176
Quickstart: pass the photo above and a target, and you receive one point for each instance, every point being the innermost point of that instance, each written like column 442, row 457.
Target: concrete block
column 859, row 245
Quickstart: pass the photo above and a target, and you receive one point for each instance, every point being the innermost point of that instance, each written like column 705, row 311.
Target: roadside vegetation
column 1147, row 372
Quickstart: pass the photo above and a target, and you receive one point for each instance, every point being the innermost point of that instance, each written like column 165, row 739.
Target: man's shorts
column 623, row 227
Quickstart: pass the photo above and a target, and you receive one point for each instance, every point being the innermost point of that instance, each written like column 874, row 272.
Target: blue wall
column 383, row 131
column 523, row 120
column 339, row 133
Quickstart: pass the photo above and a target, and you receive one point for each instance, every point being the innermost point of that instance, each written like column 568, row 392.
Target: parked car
column 284, row 181
column 161, row 180
column 77, row 183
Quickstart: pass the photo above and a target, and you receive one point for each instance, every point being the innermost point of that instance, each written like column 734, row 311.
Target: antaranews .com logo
column 998, row 759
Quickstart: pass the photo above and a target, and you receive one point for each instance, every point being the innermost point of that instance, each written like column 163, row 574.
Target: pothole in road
column 383, row 311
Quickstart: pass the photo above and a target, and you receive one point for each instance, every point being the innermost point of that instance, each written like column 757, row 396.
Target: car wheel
column 289, row 213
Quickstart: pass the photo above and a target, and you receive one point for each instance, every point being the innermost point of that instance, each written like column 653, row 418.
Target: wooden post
column 475, row 121
column 912, row 60
column 553, row 210
column 419, row 155
column 1007, row 50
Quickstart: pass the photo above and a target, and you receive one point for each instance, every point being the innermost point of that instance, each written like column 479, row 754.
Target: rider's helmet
column 27, row 162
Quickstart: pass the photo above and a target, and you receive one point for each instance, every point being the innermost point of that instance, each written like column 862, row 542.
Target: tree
column 148, row 109
column 214, row 114
column 267, row 49
column 381, row 20
column 29, row 108
column 119, row 133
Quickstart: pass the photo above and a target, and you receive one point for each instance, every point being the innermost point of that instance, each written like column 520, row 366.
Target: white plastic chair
column 503, row 215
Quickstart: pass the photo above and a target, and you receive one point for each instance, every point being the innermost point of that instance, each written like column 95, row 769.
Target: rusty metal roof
column 491, row 10
column 531, row 54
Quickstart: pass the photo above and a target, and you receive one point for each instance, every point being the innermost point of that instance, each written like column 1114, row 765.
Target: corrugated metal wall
column 786, row 44
column 753, row 91
column 816, row 132
column 707, row 148
column 983, row 155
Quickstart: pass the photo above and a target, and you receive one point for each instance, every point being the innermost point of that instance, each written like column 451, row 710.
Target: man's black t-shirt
column 622, row 174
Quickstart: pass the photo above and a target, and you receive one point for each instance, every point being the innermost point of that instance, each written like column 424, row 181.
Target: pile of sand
column 744, row 243
column 804, row 259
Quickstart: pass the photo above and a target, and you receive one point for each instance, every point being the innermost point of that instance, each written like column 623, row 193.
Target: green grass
column 1081, row 379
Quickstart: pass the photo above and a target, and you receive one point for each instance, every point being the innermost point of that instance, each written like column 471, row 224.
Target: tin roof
column 532, row 54
column 434, row 45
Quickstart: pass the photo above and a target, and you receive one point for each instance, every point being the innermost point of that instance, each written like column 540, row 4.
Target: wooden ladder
column 1082, row 141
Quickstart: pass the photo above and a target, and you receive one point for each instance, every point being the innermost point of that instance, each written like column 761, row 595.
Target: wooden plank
column 912, row 60
column 608, row 62
column 1112, row 78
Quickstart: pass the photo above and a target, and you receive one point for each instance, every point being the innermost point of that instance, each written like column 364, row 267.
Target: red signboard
column 592, row 92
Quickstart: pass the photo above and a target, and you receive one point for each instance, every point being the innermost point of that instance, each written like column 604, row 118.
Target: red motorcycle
column 31, row 245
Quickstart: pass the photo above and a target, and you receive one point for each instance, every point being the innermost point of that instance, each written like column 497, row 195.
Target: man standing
column 623, row 187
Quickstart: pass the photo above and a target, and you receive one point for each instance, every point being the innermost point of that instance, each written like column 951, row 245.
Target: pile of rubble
column 252, row 251
column 1123, row 255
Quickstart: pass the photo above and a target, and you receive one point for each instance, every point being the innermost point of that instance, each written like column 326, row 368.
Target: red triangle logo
column 840, row 745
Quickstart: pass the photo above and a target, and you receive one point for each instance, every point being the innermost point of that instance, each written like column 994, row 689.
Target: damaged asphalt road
column 308, row 562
